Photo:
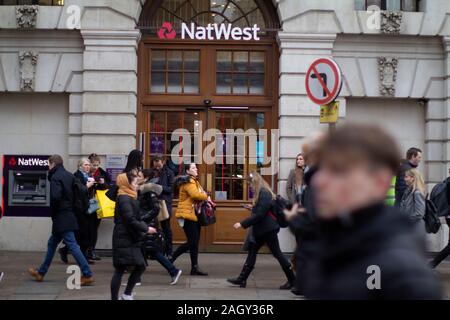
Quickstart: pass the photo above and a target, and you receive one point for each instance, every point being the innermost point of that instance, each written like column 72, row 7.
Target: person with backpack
column 154, row 243
column 265, row 228
column 413, row 199
column 440, row 196
column 64, row 221
column 162, row 175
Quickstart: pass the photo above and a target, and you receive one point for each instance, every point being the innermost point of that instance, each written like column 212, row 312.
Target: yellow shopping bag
column 106, row 205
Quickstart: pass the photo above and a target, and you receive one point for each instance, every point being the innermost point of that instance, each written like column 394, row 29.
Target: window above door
column 390, row 5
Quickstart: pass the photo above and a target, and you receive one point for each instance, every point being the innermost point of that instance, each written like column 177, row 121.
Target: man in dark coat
column 64, row 221
column 413, row 158
column 366, row 250
column 163, row 175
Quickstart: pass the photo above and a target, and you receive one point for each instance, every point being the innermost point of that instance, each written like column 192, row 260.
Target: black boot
column 195, row 271
column 63, row 252
column 241, row 280
column 291, row 279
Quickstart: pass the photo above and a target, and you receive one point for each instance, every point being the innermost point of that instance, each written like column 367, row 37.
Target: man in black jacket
column 366, row 250
column 413, row 158
column 164, row 176
column 64, row 221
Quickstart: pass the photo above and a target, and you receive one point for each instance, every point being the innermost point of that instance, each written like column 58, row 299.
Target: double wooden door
column 192, row 94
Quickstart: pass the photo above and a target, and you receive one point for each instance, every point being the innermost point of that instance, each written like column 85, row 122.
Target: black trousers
column 116, row 280
column 443, row 254
column 192, row 231
column 271, row 239
column 167, row 231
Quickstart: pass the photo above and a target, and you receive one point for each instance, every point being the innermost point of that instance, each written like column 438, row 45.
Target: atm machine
column 25, row 189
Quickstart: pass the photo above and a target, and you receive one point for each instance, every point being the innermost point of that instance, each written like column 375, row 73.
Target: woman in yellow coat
column 190, row 193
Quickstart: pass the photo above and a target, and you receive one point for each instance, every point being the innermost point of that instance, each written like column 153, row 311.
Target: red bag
column 206, row 213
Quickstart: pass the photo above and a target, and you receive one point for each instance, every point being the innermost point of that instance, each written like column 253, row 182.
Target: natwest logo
column 12, row 162
column 210, row 32
column 33, row 162
column 167, row 31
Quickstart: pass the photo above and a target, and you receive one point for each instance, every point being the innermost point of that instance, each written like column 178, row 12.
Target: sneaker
column 36, row 275
column 176, row 277
column 1, row 276
column 86, row 281
column 124, row 296
column 136, row 285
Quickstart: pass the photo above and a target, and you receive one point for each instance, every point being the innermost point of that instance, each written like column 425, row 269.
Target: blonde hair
column 82, row 161
column 418, row 183
column 258, row 183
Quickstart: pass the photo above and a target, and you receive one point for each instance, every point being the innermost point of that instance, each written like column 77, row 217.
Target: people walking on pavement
column 295, row 181
column 64, row 222
column 190, row 192
column 154, row 243
column 162, row 175
column 265, row 228
column 413, row 199
column 367, row 249
column 128, row 235
column 102, row 182
column 304, row 226
column 413, row 158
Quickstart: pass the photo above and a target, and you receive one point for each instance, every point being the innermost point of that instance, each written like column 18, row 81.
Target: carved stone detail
column 391, row 22
column 387, row 67
column 27, row 67
column 26, row 16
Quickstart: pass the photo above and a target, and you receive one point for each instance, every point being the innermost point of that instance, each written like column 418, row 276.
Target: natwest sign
column 210, row 32
column 32, row 162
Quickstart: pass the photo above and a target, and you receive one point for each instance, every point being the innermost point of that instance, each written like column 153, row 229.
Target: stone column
column 298, row 116
column 107, row 119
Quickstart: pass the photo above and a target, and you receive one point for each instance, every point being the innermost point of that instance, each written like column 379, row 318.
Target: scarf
column 125, row 187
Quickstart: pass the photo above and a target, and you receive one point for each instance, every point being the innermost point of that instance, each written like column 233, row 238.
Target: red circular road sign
column 323, row 81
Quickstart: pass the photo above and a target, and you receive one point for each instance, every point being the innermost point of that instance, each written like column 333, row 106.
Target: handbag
column 163, row 212
column 93, row 206
column 107, row 206
column 206, row 213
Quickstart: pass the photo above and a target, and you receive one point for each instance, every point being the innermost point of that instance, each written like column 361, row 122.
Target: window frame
column 33, row 2
column 383, row 6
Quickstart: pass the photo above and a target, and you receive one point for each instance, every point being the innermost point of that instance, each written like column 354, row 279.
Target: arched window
column 239, row 13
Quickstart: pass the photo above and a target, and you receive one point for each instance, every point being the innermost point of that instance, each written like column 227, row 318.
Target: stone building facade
column 71, row 87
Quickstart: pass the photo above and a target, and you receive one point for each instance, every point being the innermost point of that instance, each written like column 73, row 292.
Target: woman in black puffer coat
column 265, row 228
column 129, row 232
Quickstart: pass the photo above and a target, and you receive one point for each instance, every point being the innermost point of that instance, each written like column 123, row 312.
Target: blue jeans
column 71, row 243
column 162, row 259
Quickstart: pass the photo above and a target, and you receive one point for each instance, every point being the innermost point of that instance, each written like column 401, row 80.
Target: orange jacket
column 190, row 193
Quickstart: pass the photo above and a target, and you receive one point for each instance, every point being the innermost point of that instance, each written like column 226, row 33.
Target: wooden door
column 198, row 87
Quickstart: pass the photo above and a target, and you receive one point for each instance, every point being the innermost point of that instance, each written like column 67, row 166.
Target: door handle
column 142, row 142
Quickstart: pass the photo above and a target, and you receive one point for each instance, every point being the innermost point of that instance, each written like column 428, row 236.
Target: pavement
column 262, row 284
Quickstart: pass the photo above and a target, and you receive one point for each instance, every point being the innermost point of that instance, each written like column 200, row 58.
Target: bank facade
column 78, row 77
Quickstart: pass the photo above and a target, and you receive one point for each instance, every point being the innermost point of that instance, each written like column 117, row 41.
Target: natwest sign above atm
column 210, row 32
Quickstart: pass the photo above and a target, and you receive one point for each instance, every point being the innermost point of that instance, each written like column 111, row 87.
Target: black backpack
column 278, row 206
column 432, row 222
column 80, row 197
column 438, row 196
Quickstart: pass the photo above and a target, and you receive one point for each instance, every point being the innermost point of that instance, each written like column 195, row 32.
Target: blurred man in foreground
column 367, row 250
